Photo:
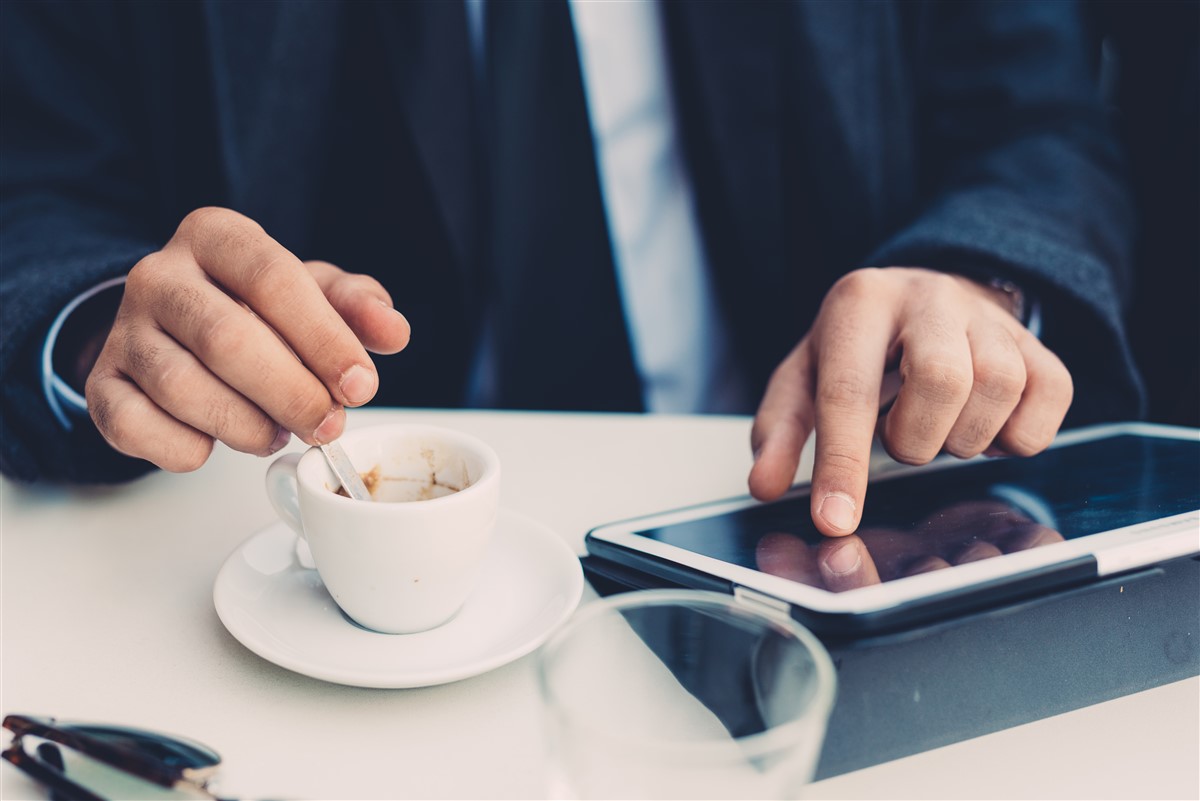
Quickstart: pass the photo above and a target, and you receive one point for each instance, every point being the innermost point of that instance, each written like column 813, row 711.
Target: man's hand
column 972, row 379
column 225, row 335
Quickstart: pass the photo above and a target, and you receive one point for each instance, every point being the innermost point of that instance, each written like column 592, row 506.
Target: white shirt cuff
column 64, row 402
column 1034, row 321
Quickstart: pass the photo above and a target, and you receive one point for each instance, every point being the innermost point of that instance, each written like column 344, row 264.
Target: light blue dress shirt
column 680, row 345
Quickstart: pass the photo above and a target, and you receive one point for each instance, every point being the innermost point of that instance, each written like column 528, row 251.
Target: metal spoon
column 344, row 470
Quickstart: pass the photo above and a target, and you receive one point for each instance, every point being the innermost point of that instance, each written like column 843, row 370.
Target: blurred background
column 1149, row 67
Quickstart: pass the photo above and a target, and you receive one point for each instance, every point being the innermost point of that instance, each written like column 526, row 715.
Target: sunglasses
column 91, row 762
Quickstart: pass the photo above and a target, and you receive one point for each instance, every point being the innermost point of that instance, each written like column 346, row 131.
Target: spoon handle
column 344, row 470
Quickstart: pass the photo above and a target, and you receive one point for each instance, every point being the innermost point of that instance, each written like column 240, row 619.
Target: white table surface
column 107, row 615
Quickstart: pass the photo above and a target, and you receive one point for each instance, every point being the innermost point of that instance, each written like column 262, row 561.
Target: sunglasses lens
column 173, row 752
column 96, row 779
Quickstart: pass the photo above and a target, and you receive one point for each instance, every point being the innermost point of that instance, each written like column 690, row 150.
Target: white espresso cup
column 406, row 561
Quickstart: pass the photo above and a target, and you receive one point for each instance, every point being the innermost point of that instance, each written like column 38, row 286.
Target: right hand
column 225, row 335
column 971, row 378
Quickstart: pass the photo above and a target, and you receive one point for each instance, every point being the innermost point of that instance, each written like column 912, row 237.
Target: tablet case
column 922, row 688
column 1077, row 571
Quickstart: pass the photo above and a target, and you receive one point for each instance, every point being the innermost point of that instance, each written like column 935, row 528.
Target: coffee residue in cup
column 386, row 489
column 370, row 480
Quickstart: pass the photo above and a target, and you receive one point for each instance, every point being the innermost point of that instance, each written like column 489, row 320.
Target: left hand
column 972, row 379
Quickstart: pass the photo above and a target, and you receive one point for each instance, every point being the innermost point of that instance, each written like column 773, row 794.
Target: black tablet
column 941, row 539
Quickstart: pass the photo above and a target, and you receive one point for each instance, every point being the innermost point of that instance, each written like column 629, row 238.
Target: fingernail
column 358, row 385
column 837, row 510
column 330, row 427
column 283, row 437
column 390, row 307
column 843, row 559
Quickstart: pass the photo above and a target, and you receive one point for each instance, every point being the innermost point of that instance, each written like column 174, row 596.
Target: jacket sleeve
column 73, row 212
column 1023, row 181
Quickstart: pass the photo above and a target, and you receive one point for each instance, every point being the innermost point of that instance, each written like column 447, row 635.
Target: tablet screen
column 939, row 519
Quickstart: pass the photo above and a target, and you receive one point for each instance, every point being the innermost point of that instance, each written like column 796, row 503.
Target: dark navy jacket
column 820, row 136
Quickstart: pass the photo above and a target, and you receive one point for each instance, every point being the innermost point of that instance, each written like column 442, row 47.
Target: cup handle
column 284, row 494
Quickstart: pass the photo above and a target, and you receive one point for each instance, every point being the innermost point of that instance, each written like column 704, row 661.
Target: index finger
column 851, row 355
column 236, row 252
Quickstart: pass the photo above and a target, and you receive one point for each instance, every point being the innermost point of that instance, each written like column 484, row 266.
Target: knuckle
column 220, row 334
column 327, row 341
column 961, row 449
column 228, row 420
column 1022, row 441
column 146, row 268
column 263, row 436
column 970, row 438
column 939, row 379
column 908, row 450
column 911, row 439
column 1059, row 383
column 306, row 410
column 269, row 273
column 224, row 235
column 122, row 426
column 345, row 287
column 141, row 358
column 176, row 383
column 841, row 466
column 758, row 433
column 187, row 453
column 99, row 406
column 1045, row 368
column 1001, row 381
column 206, row 219
column 843, row 388
column 366, row 283
column 355, row 283
column 325, row 272
column 857, row 285
column 181, row 302
column 943, row 288
column 791, row 372
column 166, row 294
column 146, row 276
column 222, row 416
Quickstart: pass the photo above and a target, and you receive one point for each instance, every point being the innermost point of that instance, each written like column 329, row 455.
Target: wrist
column 1010, row 296
column 83, row 334
column 71, row 346
column 1000, row 291
column 88, row 351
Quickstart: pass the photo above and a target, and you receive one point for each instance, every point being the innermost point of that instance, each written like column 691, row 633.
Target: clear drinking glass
column 683, row 694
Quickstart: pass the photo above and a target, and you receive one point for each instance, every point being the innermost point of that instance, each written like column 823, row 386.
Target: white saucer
column 531, row 582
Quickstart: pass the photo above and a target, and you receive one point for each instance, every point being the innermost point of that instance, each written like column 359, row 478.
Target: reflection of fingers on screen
column 976, row 551
column 1031, row 536
column 1025, row 501
column 846, row 564
column 926, row 564
column 789, row 557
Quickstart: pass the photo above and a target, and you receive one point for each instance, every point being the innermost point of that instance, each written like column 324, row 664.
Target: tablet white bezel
column 1114, row 551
